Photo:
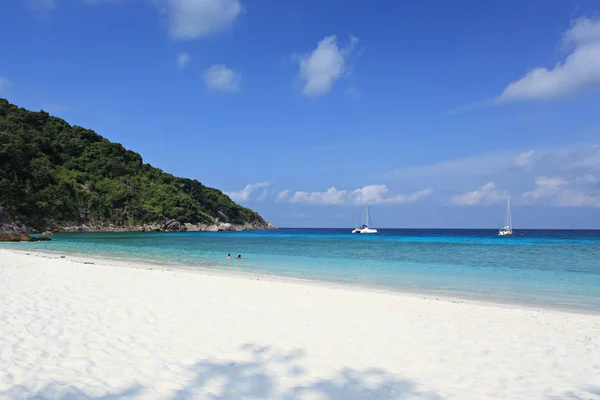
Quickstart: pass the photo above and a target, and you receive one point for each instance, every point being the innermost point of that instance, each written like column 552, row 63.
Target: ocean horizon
column 555, row 268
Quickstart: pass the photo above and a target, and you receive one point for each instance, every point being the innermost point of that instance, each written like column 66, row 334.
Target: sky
column 435, row 111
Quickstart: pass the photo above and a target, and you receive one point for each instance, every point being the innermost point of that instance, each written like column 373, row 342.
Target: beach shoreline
column 239, row 273
column 69, row 328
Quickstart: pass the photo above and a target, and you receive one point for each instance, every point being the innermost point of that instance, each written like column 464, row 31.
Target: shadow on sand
column 263, row 374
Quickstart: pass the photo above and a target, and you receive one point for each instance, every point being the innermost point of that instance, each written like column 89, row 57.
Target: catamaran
column 507, row 230
column 365, row 228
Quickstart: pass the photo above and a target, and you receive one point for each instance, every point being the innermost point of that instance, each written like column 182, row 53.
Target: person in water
column 239, row 256
column 229, row 256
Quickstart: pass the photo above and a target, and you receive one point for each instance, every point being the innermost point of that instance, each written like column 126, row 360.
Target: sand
column 70, row 330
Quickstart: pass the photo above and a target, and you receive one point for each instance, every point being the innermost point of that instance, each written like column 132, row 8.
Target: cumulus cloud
column 183, row 60
column 376, row 194
column 320, row 68
column 579, row 72
column 246, row 193
column 486, row 194
column 191, row 19
column 223, row 79
column 5, row 84
column 330, row 196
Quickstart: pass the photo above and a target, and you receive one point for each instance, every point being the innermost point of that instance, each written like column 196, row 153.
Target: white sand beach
column 70, row 330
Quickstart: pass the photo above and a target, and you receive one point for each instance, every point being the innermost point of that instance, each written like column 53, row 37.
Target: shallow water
column 535, row 267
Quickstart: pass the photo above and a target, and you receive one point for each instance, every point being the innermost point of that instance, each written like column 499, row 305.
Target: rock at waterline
column 20, row 237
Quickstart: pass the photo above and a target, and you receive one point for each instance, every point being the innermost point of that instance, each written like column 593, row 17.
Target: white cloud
column 376, row 194
column 579, row 72
column 545, row 186
column 5, row 84
column 575, row 160
column 566, row 194
column 245, row 193
column 183, row 60
column 191, row 19
column 524, row 159
column 324, row 65
column 487, row 194
column 330, row 196
column 282, row 196
column 223, row 79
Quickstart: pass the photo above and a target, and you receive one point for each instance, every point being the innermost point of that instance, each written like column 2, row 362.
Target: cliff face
column 8, row 224
column 54, row 175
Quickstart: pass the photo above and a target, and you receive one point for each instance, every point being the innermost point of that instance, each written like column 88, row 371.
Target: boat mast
column 508, row 210
column 367, row 219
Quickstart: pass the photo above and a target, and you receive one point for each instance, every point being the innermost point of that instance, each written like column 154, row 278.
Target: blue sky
column 436, row 110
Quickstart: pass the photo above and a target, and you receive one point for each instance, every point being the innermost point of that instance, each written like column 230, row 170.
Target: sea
column 557, row 269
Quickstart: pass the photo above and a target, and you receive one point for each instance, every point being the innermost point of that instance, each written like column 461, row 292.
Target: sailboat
column 365, row 228
column 507, row 230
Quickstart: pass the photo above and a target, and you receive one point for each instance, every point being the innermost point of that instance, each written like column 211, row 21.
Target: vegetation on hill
column 52, row 170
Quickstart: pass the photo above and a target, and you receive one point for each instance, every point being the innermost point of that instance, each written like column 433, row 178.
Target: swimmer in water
column 239, row 256
column 229, row 256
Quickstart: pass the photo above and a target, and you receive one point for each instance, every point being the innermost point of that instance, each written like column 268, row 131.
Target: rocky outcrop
column 170, row 225
column 14, row 230
column 226, row 227
column 20, row 237
column 8, row 224
column 270, row 226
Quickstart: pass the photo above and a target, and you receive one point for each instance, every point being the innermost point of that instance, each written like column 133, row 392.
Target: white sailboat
column 365, row 228
column 507, row 230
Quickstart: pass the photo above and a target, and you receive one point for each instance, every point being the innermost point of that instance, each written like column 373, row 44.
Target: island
column 55, row 177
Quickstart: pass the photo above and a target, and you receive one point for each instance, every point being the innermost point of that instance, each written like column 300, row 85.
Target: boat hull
column 364, row 230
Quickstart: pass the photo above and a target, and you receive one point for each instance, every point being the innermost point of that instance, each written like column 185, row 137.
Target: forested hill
column 50, row 170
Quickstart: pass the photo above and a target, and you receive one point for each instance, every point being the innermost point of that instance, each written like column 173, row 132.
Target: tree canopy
column 52, row 170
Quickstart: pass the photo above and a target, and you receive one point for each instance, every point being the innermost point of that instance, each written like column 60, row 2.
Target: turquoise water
column 541, row 268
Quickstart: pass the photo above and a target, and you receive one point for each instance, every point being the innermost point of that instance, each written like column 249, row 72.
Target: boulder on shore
column 19, row 237
column 171, row 225
column 271, row 226
column 225, row 227
column 212, row 228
